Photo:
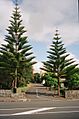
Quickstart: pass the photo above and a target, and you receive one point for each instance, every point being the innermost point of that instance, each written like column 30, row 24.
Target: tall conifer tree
column 57, row 60
column 16, row 55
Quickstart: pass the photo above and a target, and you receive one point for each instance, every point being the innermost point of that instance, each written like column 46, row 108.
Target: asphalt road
column 40, row 109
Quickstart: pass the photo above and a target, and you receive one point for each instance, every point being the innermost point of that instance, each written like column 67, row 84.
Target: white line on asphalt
column 34, row 111
column 69, row 107
column 3, row 115
column 41, row 110
column 37, row 108
column 17, row 108
column 59, row 112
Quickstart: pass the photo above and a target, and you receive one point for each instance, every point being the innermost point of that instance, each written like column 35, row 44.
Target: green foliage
column 58, row 60
column 73, row 81
column 50, row 80
column 22, row 89
column 16, row 55
column 37, row 78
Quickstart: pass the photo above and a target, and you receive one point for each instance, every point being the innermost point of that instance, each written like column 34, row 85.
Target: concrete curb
column 35, row 99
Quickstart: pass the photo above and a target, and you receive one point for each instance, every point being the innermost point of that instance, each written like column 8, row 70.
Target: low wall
column 5, row 93
column 9, row 93
column 72, row 94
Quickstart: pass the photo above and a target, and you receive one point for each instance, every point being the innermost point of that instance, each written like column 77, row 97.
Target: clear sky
column 41, row 18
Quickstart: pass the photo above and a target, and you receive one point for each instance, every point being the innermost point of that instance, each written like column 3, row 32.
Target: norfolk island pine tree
column 17, row 54
column 58, row 60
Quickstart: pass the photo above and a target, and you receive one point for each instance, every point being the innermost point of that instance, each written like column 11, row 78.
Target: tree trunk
column 15, row 82
column 58, row 86
column 15, row 78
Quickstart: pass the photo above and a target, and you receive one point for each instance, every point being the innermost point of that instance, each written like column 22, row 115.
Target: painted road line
column 16, row 109
column 37, row 108
column 43, row 111
column 34, row 111
column 59, row 112
column 3, row 115
column 68, row 107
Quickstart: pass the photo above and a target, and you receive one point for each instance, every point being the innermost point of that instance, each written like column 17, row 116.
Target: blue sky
column 41, row 18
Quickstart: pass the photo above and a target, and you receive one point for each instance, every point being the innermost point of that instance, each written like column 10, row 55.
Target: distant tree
column 58, row 60
column 50, row 80
column 37, row 78
column 16, row 55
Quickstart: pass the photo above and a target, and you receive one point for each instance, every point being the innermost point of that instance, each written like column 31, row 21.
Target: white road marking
column 17, row 108
column 34, row 111
column 37, row 108
column 59, row 112
column 41, row 110
column 3, row 115
column 69, row 107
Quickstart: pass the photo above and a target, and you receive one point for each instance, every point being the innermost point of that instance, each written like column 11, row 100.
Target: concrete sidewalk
column 34, row 92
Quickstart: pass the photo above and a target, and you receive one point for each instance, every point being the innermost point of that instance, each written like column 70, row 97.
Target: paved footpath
column 34, row 92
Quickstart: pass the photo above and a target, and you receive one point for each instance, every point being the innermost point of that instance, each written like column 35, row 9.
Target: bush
column 73, row 82
column 50, row 81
